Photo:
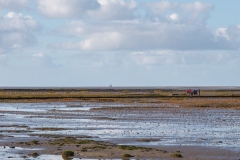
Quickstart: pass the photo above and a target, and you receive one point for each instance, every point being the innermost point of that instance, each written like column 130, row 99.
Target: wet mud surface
column 98, row 130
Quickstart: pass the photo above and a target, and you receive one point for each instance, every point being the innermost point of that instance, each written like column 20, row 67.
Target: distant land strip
column 116, row 92
column 135, row 88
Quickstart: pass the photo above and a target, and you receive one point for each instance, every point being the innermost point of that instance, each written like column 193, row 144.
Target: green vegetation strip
column 47, row 94
column 124, row 147
column 50, row 129
column 70, row 140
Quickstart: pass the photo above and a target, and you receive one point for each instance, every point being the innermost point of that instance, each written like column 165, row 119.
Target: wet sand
column 155, row 129
column 104, row 150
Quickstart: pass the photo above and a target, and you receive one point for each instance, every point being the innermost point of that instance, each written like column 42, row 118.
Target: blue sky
column 119, row 42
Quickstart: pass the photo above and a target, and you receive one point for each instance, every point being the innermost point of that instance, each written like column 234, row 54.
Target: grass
column 127, row 156
column 84, row 141
column 35, row 142
column 95, row 147
column 61, row 144
column 106, row 95
column 147, row 140
column 34, row 154
column 50, row 129
column 177, row 155
column 124, row 147
column 70, row 140
column 211, row 103
column 66, row 154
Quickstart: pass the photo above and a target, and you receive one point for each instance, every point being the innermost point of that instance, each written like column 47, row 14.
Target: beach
column 125, row 128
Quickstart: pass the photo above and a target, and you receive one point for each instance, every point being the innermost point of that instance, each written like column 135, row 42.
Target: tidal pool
column 112, row 122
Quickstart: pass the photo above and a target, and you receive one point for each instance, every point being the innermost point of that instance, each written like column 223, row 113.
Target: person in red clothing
column 194, row 92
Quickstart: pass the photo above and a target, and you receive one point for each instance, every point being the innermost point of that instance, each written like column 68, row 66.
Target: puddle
column 6, row 149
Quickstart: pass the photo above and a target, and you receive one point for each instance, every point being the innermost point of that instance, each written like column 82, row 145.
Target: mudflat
column 105, row 127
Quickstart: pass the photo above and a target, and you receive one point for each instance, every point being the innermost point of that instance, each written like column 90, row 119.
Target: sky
column 80, row 43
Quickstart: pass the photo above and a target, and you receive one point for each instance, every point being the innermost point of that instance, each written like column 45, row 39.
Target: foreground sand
column 106, row 150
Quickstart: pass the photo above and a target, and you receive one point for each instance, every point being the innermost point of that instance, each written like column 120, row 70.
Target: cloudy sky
column 119, row 42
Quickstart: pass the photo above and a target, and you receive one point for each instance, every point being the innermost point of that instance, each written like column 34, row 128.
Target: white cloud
column 17, row 22
column 13, row 4
column 114, row 10
column 161, row 7
column 16, row 32
column 143, row 35
column 40, row 60
column 66, row 8
column 228, row 37
column 96, row 42
column 174, row 17
column 103, row 41
column 233, row 32
column 74, row 28
column 195, row 12
column 37, row 60
column 105, row 10
column 38, row 55
column 160, row 57
column 91, row 9
column 65, row 46
column 166, row 25
column 195, row 9
column 222, row 33
column 163, row 57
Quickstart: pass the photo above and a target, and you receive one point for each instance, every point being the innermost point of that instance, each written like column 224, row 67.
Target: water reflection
column 172, row 126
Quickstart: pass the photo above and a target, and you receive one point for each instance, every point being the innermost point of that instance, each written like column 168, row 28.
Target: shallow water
column 8, row 152
column 167, row 126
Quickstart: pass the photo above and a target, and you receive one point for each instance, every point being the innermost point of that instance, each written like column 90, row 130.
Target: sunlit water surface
column 167, row 126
